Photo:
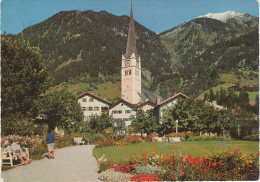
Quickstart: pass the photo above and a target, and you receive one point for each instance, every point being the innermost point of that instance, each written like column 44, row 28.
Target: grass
column 193, row 148
column 108, row 90
column 233, row 79
column 215, row 89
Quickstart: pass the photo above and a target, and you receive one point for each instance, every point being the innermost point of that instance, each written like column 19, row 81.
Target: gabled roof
column 97, row 97
column 125, row 102
column 173, row 97
column 147, row 102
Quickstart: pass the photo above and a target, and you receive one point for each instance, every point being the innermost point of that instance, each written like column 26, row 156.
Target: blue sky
column 157, row 15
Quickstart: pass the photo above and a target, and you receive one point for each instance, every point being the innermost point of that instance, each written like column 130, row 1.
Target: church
column 132, row 94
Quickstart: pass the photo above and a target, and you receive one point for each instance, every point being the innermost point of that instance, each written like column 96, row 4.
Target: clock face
column 137, row 63
column 127, row 63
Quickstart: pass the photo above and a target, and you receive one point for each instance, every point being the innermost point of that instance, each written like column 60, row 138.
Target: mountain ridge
column 89, row 43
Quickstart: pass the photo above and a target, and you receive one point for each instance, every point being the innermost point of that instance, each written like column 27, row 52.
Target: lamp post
column 177, row 126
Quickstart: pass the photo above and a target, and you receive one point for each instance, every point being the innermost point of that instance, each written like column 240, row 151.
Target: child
column 50, row 138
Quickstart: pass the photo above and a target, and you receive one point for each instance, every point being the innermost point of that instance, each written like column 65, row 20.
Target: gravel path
column 71, row 164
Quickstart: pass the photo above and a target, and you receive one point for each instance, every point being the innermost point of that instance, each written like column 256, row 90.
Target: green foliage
column 102, row 167
column 98, row 124
column 204, row 138
column 196, row 116
column 251, row 137
column 144, row 122
column 17, row 124
column 24, row 74
column 93, row 42
column 61, row 109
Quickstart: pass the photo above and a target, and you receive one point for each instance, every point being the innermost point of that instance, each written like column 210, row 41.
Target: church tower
column 131, row 68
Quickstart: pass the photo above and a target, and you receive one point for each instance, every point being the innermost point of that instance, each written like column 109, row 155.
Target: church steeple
column 131, row 42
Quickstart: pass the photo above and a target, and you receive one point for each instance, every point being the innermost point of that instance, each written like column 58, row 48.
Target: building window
column 117, row 112
column 128, row 111
column 84, row 100
column 83, row 108
column 91, row 100
column 96, row 108
column 104, row 108
column 89, row 108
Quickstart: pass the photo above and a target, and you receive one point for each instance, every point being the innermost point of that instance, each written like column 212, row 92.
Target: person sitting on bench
column 84, row 138
column 19, row 153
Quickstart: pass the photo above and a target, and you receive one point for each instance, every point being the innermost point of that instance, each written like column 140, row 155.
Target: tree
column 17, row 124
column 144, row 121
column 60, row 109
column 24, row 75
column 211, row 95
column 98, row 124
column 256, row 107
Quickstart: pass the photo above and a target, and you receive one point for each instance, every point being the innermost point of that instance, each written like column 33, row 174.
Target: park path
column 71, row 164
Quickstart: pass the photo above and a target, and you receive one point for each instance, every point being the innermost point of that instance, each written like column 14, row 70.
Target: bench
column 174, row 139
column 7, row 157
column 78, row 140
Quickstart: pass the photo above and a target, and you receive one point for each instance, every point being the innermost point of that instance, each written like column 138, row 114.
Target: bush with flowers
column 145, row 177
column 218, row 166
column 113, row 141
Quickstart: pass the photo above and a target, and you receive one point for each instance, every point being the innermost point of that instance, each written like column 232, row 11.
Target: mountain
column 224, row 17
column 205, row 47
column 190, row 58
column 93, row 42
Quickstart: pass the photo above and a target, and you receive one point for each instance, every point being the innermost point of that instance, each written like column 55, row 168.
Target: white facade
column 122, row 111
column 92, row 105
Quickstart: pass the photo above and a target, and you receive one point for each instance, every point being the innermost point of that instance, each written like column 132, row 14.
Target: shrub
column 103, row 166
column 251, row 137
column 149, row 169
column 204, row 138
column 110, row 176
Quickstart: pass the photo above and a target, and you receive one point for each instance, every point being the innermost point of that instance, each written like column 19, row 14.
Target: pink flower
column 182, row 173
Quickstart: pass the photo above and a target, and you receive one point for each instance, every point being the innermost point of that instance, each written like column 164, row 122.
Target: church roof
column 146, row 95
column 131, row 41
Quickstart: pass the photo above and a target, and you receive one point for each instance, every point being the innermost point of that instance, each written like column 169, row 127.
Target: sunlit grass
column 194, row 148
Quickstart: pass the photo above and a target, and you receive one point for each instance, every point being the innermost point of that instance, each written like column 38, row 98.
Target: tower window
column 128, row 72
column 84, row 100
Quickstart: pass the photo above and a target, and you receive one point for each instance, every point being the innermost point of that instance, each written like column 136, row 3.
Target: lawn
column 194, row 148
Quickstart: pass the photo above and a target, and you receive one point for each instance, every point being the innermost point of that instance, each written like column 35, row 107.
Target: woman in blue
column 50, row 138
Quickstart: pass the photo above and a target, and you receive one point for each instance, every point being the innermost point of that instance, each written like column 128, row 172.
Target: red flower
column 182, row 173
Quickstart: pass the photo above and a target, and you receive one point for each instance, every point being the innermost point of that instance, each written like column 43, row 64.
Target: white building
column 92, row 104
column 122, row 110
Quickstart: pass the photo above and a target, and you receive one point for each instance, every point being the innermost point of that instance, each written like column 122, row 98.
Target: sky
column 156, row 15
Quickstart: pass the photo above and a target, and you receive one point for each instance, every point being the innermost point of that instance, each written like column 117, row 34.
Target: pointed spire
column 131, row 42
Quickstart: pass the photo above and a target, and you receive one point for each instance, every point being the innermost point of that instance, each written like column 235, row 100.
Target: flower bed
column 220, row 166
column 110, row 141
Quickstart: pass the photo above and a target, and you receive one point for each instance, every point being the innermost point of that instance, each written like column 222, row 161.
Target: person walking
column 50, row 138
